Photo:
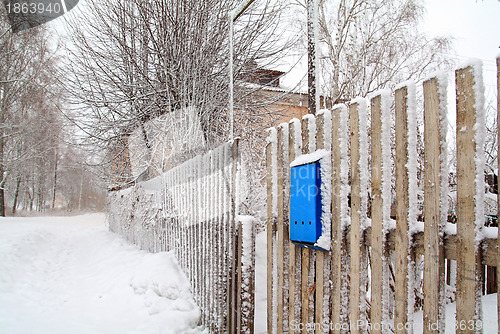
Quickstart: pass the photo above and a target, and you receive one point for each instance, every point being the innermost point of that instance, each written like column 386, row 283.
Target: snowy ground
column 70, row 275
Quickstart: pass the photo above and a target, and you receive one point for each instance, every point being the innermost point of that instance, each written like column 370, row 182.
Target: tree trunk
column 2, row 167
column 312, row 58
column 56, row 158
column 81, row 194
column 16, row 194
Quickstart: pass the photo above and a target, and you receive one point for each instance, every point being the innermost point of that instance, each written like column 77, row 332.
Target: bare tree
column 134, row 60
column 28, row 125
column 369, row 45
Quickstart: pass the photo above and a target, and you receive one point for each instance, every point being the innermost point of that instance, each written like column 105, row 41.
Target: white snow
column 310, row 158
column 442, row 80
column 345, row 218
column 480, row 130
column 312, row 131
column 272, row 139
column 489, row 323
column 71, row 275
column 387, row 163
column 363, row 160
column 297, row 134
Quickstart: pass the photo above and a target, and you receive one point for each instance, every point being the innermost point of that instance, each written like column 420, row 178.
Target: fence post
column 469, row 262
column 434, row 264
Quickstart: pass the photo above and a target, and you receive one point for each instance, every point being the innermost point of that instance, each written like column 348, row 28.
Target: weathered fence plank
column 402, row 205
column 280, row 227
column 377, row 231
column 294, row 145
column 308, row 137
column 434, row 265
column 355, row 237
column 468, row 263
column 337, row 232
column 320, row 255
column 269, row 229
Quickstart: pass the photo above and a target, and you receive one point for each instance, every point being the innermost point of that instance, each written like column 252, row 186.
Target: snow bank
column 71, row 275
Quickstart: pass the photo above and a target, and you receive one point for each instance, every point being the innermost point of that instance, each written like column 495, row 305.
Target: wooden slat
column 336, row 223
column 377, row 247
column 320, row 255
column 468, row 266
column 270, row 227
column 434, row 265
column 402, row 205
column 239, row 250
column 294, row 252
column 279, row 229
column 234, row 211
column 355, row 282
column 227, row 232
column 498, row 189
column 306, row 253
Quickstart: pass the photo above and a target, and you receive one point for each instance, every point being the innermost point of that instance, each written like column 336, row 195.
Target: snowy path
column 70, row 275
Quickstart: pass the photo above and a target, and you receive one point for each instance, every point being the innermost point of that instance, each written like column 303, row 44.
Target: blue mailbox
column 305, row 204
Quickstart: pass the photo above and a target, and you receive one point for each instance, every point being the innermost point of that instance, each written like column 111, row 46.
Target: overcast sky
column 475, row 27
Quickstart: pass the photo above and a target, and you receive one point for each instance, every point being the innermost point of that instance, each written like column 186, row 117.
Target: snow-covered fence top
column 402, row 232
column 192, row 210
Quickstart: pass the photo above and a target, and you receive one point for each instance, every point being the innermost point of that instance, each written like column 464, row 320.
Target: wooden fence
column 192, row 210
column 380, row 270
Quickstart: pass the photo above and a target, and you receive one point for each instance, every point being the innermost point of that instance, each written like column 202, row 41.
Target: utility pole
column 233, row 16
column 312, row 56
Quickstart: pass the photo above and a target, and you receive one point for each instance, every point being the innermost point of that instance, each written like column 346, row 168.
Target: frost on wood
column 345, row 217
column 298, row 137
column 327, row 127
column 312, row 130
column 248, row 224
column 442, row 80
column 479, row 133
column 363, row 160
column 387, row 164
column 272, row 139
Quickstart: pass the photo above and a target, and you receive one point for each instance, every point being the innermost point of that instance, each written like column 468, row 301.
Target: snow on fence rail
column 382, row 267
column 192, row 210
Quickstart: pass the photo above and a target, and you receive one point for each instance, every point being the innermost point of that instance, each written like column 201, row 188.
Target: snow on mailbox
column 310, row 198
